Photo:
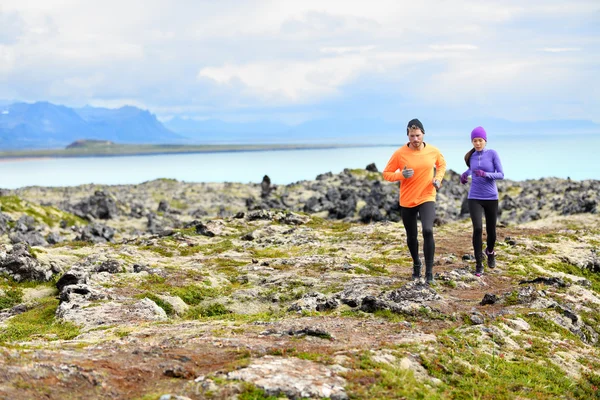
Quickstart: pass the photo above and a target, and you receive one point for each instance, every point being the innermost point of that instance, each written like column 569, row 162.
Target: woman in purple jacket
column 485, row 166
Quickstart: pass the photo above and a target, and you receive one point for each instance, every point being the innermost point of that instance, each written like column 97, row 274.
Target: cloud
column 11, row 27
column 7, row 59
column 453, row 47
column 289, row 81
column 560, row 49
column 227, row 57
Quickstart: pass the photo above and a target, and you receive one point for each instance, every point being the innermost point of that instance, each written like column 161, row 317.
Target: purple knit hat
column 478, row 132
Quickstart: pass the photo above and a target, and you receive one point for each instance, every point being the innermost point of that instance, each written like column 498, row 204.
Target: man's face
column 415, row 137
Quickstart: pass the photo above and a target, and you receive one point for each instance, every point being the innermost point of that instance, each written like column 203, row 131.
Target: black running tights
column 477, row 208
column 409, row 218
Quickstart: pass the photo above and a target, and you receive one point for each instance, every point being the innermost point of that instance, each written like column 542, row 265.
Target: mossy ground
column 464, row 360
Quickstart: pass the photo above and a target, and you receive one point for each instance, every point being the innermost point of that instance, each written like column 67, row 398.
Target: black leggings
column 476, row 209
column 409, row 218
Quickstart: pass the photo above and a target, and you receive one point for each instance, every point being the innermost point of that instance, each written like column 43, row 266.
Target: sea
column 523, row 157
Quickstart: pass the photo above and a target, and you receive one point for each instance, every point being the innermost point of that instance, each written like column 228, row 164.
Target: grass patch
column 372, row 380
column 159, row 302
column 11, row 297
column 269, row 253
column 215, row 248
column 47, row 215
column 38, row 322
column 251, row 392
column 162, row 251
column 469, row 372
column 544, row 325
column 571, row 269
column 212, row 310
column 374, row 266
column 191, row 294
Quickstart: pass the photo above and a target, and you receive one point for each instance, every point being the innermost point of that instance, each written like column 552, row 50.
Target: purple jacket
column 484, row 188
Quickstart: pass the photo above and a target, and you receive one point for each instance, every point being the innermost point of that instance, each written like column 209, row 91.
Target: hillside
column 178, row 290
column 44, row 125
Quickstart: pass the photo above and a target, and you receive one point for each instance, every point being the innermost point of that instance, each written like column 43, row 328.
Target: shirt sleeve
column 440, row 167
column 498, row 173
column 389, row 172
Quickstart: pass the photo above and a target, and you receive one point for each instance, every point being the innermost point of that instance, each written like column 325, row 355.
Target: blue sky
column 294, row 61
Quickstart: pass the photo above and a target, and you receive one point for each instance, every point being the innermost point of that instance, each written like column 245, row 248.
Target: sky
column 294, row 61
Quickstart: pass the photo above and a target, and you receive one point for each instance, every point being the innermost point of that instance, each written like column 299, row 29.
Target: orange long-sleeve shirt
column 419, row 188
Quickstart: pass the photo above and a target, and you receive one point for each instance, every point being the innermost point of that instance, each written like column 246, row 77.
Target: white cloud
column 453, row 47
column 7, row 59
column 560, row 49
column 230, row 55
column 289, row 81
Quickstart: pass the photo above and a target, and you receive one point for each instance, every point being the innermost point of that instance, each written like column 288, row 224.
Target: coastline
column 147, row 150
column 21, row 159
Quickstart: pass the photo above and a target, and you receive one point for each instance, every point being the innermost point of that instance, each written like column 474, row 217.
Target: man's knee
column 428, row 232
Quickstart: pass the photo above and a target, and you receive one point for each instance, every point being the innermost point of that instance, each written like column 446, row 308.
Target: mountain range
column 43, row 125
column 46, row 125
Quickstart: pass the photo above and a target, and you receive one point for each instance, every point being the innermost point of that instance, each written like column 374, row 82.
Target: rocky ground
column 174, row 290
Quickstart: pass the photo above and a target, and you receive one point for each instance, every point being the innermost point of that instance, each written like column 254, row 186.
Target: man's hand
column 437, row 184
column 407, row 173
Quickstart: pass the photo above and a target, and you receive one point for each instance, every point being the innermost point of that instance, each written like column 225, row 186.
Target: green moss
column 12, row 296
column 374, row 266
column 178, row 204
column 389, row 315
column 47, row 215
column 199, row 312
column 512, row 299
column 327, row 225
column 546, row 326
column 251, row 392
column 75, row 244
column 160, row 250
column 470, row 371
column 159, row 302
column 38, row 322
column 216, row 248
column 191, row 294
column 270, row 252
column 372, row 380
column 571, row 269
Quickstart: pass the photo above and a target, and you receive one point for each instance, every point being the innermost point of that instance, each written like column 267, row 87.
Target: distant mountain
column 217, row 131
column 357, row 130
column 46, row 125
column 361, row 130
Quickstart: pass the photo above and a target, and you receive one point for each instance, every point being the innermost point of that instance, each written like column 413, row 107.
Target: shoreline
column 164, row 150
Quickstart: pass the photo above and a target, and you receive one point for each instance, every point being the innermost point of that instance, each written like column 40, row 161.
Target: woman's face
column 478, row 143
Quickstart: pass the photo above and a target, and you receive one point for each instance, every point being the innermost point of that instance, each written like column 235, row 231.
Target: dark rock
column 110, row 266
column 4, row 220
column 489, row 299
column 371, row 168
column 163, row 206
column 53, row 238
column 25, row 224
column 546, row 281
column 72, row 277
column 97, row 233
column 99, row 206
column 202, row 229
column 30, row 238
column 21, row 265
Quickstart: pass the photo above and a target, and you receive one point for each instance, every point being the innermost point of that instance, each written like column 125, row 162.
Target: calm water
column 522, row 158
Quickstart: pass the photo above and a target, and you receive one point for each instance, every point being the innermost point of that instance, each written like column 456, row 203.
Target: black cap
column 416, row 123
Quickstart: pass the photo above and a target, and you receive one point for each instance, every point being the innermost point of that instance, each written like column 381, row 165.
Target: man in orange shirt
column 413, row 166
